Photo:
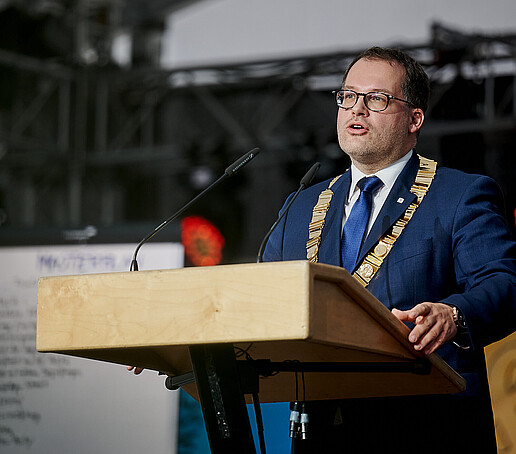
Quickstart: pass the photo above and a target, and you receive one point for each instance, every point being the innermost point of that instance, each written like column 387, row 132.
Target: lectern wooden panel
column 285, row 311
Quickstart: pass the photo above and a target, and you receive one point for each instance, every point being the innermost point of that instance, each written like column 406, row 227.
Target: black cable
column 259, row 422
column 239, row 352
column 297, row 388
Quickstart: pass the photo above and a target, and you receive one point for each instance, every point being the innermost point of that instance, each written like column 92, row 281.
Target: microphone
column 230, row 171
column 305, row 181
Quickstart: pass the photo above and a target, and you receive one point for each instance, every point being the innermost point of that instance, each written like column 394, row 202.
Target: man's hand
column 137, row 370
column 434, row 325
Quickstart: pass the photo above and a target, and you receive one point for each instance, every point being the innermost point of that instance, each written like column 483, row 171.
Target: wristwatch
column 458, row 318
column 461, row 339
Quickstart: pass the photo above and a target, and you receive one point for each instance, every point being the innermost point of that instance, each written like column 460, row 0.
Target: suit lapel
column 395, row 205
column 329, row 251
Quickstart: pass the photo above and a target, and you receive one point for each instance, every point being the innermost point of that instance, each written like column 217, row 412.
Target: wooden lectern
column 296, row 316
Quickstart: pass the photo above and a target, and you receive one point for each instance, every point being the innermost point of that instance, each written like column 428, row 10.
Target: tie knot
column 370, row 184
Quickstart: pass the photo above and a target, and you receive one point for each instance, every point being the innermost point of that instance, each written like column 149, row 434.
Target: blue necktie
column 356, row 224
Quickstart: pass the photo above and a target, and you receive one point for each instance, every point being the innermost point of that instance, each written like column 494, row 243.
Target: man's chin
column 361, row 154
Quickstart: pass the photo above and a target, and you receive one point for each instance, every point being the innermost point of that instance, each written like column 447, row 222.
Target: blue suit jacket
column 456, row 249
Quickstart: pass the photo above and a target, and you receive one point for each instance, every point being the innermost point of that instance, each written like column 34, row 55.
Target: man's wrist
column 458, row 319
column 461, row 339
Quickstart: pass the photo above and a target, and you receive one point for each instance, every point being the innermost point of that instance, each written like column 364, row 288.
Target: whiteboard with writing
column 55, row 404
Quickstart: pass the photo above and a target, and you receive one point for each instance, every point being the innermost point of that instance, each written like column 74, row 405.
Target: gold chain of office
column 372, row 262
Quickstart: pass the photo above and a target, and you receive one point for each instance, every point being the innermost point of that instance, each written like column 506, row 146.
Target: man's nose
column 360, row 108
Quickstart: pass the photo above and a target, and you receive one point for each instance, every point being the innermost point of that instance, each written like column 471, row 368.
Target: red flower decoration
column 202, row 241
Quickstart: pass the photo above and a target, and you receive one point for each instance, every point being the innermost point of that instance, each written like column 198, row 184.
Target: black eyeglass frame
column 389, row 97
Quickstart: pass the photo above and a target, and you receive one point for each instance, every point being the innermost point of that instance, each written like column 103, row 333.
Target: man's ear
column 416, row 120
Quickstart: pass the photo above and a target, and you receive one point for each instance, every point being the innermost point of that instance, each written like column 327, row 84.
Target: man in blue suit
column 430, row 243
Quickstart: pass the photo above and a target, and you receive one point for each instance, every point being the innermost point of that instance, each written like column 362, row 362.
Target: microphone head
column 309, row 176
column 241, row 162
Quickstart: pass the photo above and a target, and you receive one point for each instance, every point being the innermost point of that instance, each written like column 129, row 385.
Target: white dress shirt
column 388, row 177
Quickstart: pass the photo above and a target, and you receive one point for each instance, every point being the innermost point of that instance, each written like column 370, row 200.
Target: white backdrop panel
column 55, row 404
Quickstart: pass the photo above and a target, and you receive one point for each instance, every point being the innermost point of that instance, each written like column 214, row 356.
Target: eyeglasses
column 374, row 100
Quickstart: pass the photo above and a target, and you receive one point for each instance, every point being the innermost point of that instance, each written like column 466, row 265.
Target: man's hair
column 415, row 86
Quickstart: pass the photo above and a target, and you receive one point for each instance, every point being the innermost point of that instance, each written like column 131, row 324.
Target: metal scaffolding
column 83, row 140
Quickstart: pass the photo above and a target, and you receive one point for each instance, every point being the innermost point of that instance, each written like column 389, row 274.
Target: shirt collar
column 387, row 175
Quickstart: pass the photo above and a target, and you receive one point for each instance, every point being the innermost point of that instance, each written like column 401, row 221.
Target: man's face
column 374, row 140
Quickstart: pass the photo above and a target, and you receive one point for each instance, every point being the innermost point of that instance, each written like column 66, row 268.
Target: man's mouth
column 356, row 128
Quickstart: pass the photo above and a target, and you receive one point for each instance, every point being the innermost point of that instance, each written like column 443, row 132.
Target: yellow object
column 501, row 369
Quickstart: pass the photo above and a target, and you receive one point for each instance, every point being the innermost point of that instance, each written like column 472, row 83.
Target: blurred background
column 113, row 113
